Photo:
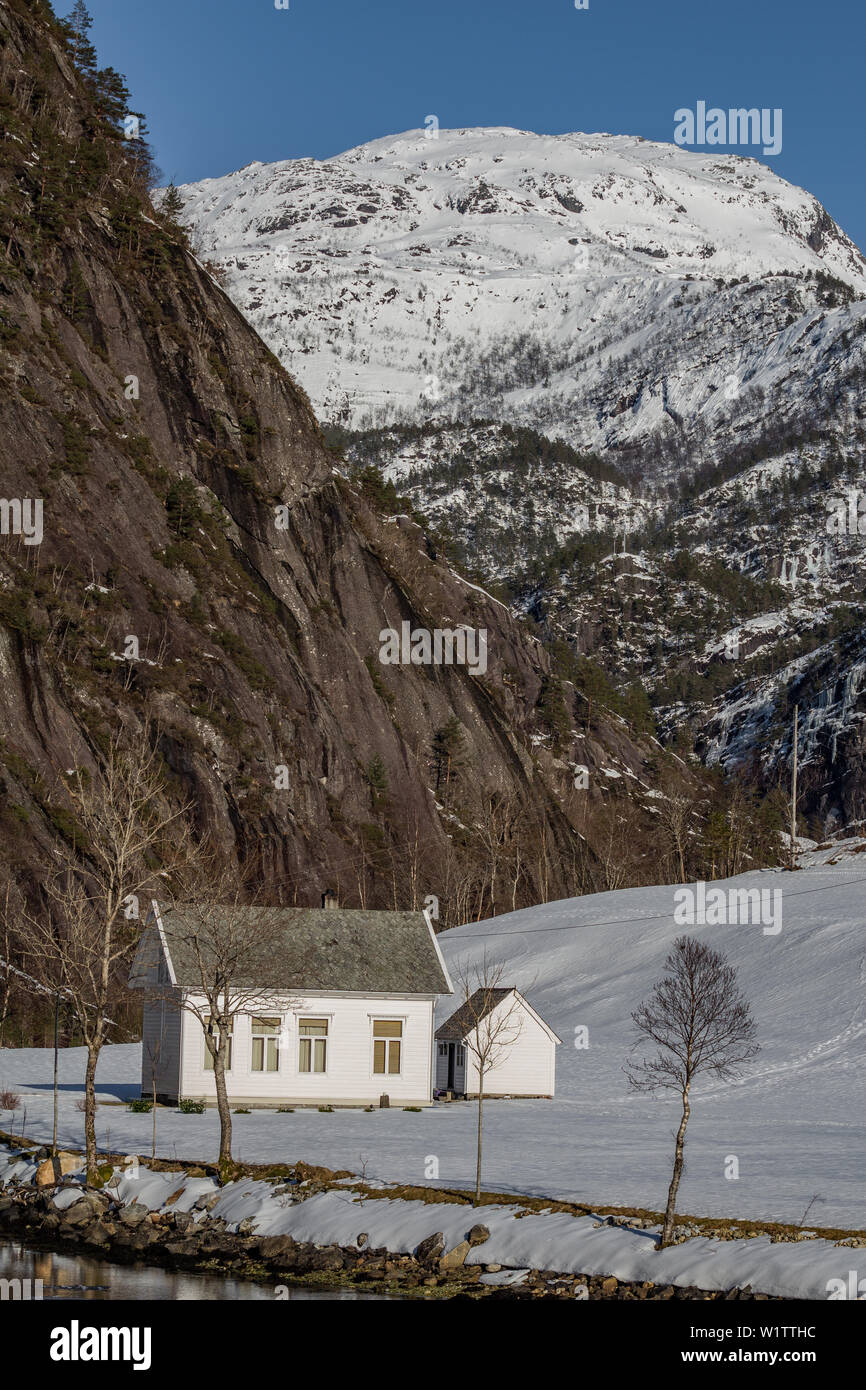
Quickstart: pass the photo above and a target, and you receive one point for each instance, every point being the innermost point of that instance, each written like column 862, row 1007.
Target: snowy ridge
column 579, row 284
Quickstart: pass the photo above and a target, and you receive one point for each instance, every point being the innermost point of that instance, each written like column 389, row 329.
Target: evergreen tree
column 448, row 753
column 140, row 155
column 76, row 26
column 553, row 712
column 112, row 96
column 172, row 204
column 377, row 780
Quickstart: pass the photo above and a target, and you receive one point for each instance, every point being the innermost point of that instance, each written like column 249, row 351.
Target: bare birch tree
column 490, row 1024
column 6, row 976
column 152, row 1051
column 83, row 934
column 701, row 1024
column 233, row 947
column 676, row 812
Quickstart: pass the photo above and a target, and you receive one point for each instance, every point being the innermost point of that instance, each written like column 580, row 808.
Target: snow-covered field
column 795, row 1121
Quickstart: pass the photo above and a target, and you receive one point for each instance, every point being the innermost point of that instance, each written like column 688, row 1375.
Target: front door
column 451, row 1048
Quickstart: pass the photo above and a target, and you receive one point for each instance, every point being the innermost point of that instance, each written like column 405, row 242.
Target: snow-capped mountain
column 627, row 379
column 604, row 289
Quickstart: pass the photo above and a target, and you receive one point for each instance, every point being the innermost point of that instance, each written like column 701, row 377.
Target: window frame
column 400, row 1041
column 265, row 1038
column 312, row 1038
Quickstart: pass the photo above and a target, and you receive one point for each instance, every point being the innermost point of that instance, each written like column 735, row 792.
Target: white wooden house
column 525, row 1061
column 349, row 1020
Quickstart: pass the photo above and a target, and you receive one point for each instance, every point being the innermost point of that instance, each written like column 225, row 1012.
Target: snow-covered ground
column 795, row 1121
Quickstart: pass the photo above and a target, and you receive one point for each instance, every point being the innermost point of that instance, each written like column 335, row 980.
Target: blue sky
column 224, row 82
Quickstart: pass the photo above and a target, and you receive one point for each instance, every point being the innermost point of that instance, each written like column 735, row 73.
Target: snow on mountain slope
column 503, row 496
column 583, row 285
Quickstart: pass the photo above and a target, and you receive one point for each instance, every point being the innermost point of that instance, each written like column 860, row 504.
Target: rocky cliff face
column 203, row 569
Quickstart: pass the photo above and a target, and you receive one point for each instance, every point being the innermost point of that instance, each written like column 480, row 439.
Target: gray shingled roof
column 471, row 1011
column 327, row 949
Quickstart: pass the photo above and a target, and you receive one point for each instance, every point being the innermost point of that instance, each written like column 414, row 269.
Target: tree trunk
column 670, row 1211
column 56, row 1087
column 478, row 1153
column 90, row 1110
column 225, row 1114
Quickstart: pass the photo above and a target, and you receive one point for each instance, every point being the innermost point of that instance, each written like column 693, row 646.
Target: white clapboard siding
column 349, row 1078
column 526, row 1066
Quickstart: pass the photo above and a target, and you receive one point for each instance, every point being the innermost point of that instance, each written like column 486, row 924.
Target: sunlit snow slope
column 581, row 284
column 796, row 1117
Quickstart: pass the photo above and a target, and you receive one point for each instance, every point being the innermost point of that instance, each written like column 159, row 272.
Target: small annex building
column 526, row 1051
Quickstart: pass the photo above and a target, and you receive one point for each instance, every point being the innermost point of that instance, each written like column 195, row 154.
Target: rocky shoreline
column 94, row 1223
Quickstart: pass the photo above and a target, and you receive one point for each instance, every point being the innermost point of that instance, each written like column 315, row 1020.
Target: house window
column 213, row 1028
column 387, row 1046
column 266, row 1044
column 443, row 1049
column 461, row 1055
column 312, row 1044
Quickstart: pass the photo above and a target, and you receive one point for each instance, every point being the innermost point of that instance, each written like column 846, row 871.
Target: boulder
column 143, row 1237
column 206, row 1201
column 431, row 1247
column 98, row 1233
column 79, row 1214
column 331, row 1258
column 456, row 1258
column 133, row 1215
column 96, row 1199
column 53, row 1169
column 276, row 1247
column 478, row 1235
column 182, row 1248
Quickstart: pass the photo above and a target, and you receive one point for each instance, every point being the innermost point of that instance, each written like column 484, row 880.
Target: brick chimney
column 330, row 899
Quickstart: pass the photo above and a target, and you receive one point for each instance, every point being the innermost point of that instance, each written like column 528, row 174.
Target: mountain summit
column 620, row 294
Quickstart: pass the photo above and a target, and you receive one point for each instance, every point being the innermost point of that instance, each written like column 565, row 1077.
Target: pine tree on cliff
column 172, row 204
column 77, row 26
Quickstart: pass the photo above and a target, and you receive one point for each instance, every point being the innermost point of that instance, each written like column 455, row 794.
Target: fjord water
column 70, row 1278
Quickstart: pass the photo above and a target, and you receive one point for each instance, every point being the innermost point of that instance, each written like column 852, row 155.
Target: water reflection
column 74, row 1277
